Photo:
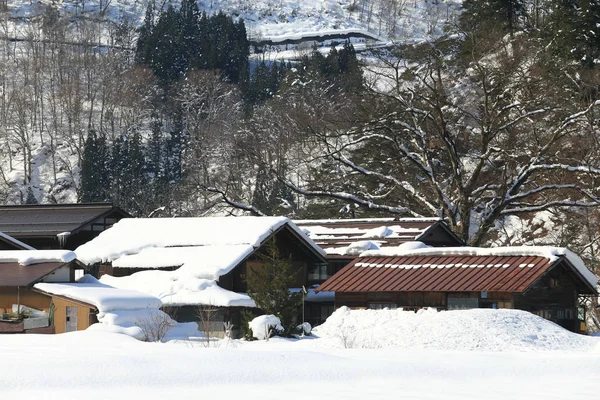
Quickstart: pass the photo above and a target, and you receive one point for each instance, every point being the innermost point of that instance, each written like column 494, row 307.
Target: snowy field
column 96, row 365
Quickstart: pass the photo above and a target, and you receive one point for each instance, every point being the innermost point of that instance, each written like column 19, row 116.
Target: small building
column 192, row 263
column 58, row 226
column 22, row 308
column 550, row 282
column 89, row 303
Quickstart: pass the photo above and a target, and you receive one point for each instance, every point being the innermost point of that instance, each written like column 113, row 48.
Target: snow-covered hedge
column 265, row 326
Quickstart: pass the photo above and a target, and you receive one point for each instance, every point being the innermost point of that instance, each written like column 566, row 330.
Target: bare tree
column 474, row 145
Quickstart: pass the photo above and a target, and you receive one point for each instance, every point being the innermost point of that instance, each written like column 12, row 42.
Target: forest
column 491, row 126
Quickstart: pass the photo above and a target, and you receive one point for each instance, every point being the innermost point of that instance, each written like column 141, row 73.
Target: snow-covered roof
column 349, row 237
column 207, row 262
column 345, row 221
column 30, row 257
column 104, row 297
column 180, row 287
column 203, row 249
column 132, row 235
column 548, row 252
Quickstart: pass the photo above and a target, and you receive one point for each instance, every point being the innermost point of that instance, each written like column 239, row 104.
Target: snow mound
column 263, row 324
column 472, row 330
column 416, row 245
column 146, row 324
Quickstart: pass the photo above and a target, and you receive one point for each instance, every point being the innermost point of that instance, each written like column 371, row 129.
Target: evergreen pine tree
column 573, row 29
column 146, row 42
column 269, row 286
column 94, row 171
column 30, row 199
column 490, row 15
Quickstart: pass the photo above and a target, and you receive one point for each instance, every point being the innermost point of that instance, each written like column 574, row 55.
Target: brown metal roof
column 15, row 274
column 50, row 219
column 447, row 273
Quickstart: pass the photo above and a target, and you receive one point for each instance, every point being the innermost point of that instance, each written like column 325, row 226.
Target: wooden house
column 344, row 239
column 192, row 263
column 549, row 282
column 57, row 226
column 22, row 308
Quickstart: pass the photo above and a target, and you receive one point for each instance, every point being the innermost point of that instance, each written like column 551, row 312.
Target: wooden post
column 18, row 301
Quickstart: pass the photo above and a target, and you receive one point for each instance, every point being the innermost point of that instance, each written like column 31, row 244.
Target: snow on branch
column 349, row 197
column 400, row 184
column 246, row 207
column 545, row 188
column 548, row 205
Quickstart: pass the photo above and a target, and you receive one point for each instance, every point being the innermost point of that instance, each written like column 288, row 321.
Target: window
column 381, row 306
column 318, row 272
column 505, row 304
column 462, row 303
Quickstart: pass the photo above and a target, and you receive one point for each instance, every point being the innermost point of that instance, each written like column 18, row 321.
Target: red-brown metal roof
column 445, row 273
column 15, row 274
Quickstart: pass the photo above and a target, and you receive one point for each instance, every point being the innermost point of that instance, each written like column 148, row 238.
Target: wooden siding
column 415, row 300
column 289, row 247
column 85, row 315
column 29, row 298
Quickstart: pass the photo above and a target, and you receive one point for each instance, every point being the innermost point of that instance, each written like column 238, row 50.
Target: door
column 71, row 319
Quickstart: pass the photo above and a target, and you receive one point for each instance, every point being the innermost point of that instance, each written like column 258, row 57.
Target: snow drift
column 472, row 330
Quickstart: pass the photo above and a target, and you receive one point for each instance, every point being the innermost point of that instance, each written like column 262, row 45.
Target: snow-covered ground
column 95, row 365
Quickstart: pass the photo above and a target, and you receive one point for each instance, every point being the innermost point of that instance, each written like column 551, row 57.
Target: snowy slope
column 289, row 19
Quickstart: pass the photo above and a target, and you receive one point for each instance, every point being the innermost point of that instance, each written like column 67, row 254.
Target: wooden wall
column 29, row 298
column 414, row 300
column 85, row 315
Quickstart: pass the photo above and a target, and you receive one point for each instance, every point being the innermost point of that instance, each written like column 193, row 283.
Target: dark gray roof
column 51, row 219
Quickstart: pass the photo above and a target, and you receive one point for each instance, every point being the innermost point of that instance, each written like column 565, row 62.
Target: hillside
column 285, row 19
column 468, row 115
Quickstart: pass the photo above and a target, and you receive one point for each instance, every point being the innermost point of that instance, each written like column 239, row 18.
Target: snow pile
column 471, row 330
column 263, row 325
column 379, row 232
column 551, row 253
column 29, row 257
column 304, row 328
column 413, row 246
column 180, row 287
column 359, row 247
column 147, row 324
